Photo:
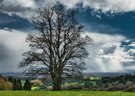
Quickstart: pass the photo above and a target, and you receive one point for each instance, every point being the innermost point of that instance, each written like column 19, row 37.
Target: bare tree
column 57, row 48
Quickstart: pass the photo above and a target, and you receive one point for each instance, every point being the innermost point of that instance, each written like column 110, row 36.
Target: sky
column 110, row 23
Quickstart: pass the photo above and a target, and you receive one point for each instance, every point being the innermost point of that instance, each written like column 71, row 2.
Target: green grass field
column 64, row 93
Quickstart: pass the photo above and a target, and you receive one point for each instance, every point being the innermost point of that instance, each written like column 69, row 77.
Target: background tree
column 19, row 84
column 5, row 85
column 14, row 84
column 10, row 79
column 58, row 47
column 2, row 83
column 27, row 85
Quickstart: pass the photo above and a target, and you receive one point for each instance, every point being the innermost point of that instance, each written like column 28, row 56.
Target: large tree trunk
column 57, row 84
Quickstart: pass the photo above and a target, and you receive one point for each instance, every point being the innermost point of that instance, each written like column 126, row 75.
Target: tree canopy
column 57, row 47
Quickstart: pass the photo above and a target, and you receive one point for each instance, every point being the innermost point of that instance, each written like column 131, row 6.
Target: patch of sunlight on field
column 64, row 93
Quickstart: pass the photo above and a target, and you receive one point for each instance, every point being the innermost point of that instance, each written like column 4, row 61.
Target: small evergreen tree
column 18, row 85
column 10, row 79
column 27, row 85
column 14, row 84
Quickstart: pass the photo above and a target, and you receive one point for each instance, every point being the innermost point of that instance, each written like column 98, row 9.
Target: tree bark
column 57, row 84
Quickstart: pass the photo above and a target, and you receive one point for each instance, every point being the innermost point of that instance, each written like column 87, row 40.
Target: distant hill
column 14, row 74
column 102, row 74
column 111, row 74
column 107, row 74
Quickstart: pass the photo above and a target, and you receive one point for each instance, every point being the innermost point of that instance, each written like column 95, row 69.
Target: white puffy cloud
column 114, row 5
column 23, row 8
column 19, row 3
column 26, row 8
column 106, row 55
column 111, row 53
column 104, row 5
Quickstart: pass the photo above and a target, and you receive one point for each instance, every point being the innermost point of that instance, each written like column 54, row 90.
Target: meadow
column 65, row 93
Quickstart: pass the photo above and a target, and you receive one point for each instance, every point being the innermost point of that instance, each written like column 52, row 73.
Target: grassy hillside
column 64, row 93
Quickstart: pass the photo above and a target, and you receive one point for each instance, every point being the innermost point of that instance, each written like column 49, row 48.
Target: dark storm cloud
column 12, row 46
column 16, row 14
column 6, row 58
column 14, row 22
column 109, row 23
column 4, row 52
column 95, row 20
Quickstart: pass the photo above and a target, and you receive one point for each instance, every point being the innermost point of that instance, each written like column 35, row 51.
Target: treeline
column 10, row 83
column 122, row 79
column 118, row 83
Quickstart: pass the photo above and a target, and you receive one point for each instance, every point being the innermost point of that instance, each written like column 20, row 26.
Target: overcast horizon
column 110, row 23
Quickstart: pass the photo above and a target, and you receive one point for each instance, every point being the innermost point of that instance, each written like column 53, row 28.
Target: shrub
column 8, row 86
column 5, row 85
column 2, row 84
column 119, row 86
column 37, row 82
column 130, row 89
